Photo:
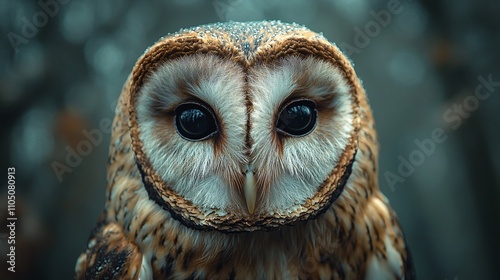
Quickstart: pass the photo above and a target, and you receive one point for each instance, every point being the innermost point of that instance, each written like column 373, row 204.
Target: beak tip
column 250, row 209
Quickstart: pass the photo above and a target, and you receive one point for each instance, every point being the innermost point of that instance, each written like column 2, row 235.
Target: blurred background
column 424, row 65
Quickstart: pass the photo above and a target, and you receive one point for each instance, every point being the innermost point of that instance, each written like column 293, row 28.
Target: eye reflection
column 195, row 122
column 298, row 118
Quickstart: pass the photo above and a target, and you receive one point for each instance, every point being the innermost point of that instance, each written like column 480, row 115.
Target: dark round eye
column 298, row 118
column 194, row 121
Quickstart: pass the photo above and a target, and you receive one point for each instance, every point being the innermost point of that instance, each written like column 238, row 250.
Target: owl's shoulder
column 390, row 257
column 110, row 255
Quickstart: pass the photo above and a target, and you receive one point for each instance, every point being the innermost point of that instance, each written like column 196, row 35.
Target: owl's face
column 235, row 141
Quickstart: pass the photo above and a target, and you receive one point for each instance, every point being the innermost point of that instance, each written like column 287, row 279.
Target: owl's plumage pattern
column 176, row 209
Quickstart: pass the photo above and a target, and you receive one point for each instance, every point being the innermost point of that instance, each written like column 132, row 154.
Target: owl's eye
column 195, row 121
column 297, row 118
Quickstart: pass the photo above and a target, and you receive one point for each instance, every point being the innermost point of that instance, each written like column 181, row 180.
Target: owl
column 244, row 151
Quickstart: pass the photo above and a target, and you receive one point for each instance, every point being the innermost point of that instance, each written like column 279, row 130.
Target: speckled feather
column 352, row 236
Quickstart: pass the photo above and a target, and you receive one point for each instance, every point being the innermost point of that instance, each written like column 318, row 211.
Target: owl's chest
column 178, row 256
column 245, row 265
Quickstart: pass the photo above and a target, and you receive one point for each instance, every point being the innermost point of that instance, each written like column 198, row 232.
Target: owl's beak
column 250, row 189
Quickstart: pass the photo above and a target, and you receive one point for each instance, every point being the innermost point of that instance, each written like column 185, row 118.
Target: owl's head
column 244, row 126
